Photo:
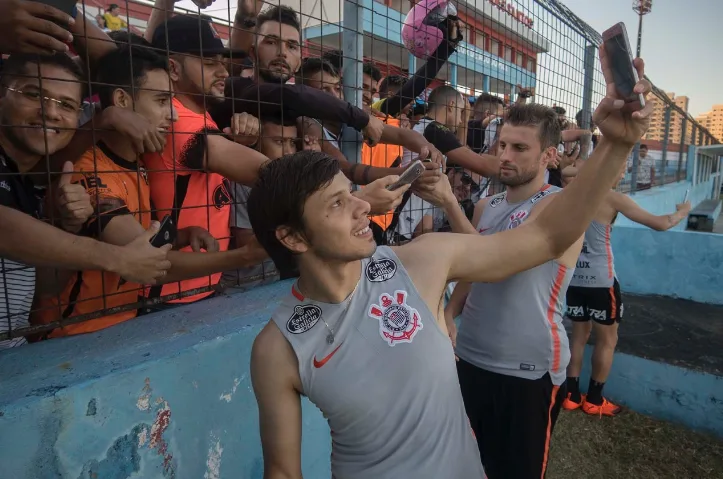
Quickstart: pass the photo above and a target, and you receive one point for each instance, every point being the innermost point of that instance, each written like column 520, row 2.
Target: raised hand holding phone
column 413, row 172
column 35, row 27
column 620, row 61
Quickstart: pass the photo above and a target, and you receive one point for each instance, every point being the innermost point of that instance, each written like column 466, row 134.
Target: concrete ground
column 673, row 331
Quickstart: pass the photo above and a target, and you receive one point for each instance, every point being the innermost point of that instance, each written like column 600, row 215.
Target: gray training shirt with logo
column 387, row 384
column 514, row 327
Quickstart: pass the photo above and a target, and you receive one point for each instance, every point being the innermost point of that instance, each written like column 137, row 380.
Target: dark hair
column 280, row 13
column 336, row 58
column 540, row 116
column 442, row 94
column 371, row 69
column 17, row 63
column 391, row 80
column 559, row 110
column 279, row 195
column 278, row 119
column 312, row 66
column 643, row 145
column 486, row 100
column 123, row 37
column 126, row 67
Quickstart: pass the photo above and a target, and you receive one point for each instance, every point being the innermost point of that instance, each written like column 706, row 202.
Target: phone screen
column 622, row 66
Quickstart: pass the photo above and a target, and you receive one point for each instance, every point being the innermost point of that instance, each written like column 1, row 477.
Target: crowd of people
column 425, row 321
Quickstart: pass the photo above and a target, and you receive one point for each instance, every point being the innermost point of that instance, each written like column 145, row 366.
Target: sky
column 681, row 43
column 681, row 40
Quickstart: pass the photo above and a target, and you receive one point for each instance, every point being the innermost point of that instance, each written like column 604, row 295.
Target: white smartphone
column 413, row 172
column 620, row 58
column 687, row 193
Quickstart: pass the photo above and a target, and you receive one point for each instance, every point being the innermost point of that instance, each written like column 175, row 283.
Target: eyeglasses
column 35, row 97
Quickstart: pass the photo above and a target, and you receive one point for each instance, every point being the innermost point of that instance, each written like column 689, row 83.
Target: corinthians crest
column 398, row 322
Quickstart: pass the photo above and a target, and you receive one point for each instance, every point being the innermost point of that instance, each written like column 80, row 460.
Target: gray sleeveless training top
column 596, row 265
column 388, row 384
column 514, row 327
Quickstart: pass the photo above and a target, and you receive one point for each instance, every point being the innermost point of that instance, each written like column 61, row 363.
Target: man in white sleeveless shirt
column 512, row 346
column 360, row 333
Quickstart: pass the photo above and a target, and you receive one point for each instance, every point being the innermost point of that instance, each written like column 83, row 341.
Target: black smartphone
column 413, row 172
column 65, row 6
column 166, row 233
column 620, row 57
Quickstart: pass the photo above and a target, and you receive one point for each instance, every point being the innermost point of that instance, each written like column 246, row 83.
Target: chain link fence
column 529, row 51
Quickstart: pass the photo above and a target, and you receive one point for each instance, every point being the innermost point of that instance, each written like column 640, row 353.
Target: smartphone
column 65, row 6
column 687, row 193
column 620, row 57
column 413, row 172
column 166, row 233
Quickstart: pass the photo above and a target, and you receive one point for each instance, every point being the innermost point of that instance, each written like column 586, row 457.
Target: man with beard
column 358, row 334
column 512, row 346
column 187, row 178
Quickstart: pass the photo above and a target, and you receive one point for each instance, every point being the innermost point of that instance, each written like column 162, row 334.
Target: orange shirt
column 179, row 186
column 382, row 156
column 116, row 187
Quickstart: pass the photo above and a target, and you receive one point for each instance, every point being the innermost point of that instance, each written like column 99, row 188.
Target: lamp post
column 641, row 7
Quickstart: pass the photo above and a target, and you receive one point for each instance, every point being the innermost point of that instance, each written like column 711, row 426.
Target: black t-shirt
column 475, row 135
column 243, row 95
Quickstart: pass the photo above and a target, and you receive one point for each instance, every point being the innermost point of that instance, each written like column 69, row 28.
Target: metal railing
column 536, row 45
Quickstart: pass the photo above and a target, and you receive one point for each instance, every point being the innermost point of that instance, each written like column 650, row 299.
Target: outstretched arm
column 496, row 257
column 275, row 378
column 630, row 209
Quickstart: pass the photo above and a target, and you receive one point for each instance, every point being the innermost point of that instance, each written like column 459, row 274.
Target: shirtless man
column 361, row 332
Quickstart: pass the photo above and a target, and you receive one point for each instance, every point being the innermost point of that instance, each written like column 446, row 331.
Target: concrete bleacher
column 704, row 216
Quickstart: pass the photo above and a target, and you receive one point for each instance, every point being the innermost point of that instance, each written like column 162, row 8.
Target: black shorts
column 602, row 305
column 512, row 419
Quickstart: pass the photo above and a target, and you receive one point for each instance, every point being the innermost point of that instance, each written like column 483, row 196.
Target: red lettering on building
column 510, row 9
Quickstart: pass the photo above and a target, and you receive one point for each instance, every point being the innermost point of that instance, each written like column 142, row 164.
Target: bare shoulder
column 273, row 356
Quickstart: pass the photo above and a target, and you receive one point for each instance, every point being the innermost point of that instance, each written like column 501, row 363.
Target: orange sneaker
column 570, row 405
column 605, row 409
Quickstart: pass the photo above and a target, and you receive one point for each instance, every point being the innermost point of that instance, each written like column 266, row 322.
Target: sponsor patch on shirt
column 304, row 318
column 398, row 322
column 541, row 195
column 497, row 200
column 380, row 270
column 527, row 367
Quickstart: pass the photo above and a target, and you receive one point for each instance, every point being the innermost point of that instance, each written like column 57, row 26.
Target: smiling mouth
column 46, row 129
column 363, row 231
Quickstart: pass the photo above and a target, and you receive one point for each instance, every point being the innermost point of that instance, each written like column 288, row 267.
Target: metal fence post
column 353, row 47
column 684, row 134
column 666, row 138
column 636, row 162
column 589, row 64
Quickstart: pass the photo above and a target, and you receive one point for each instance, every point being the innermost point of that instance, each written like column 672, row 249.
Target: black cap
column 192, row 34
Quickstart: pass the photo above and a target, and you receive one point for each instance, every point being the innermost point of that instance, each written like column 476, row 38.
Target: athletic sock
column 573, row 387
column 594, row 393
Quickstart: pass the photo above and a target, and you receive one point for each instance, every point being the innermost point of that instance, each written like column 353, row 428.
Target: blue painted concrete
column 679, row 264
column 162, row 396
column 690, row 398
column 661, row 200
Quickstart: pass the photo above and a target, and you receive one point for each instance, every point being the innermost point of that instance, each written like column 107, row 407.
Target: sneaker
column 605, row 409
column 570, row 405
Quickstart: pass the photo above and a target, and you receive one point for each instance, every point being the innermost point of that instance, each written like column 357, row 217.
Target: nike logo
column 482, row 230
column 325, row 359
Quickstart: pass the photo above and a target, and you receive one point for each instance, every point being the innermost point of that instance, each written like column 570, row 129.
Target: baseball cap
column 192, row 34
